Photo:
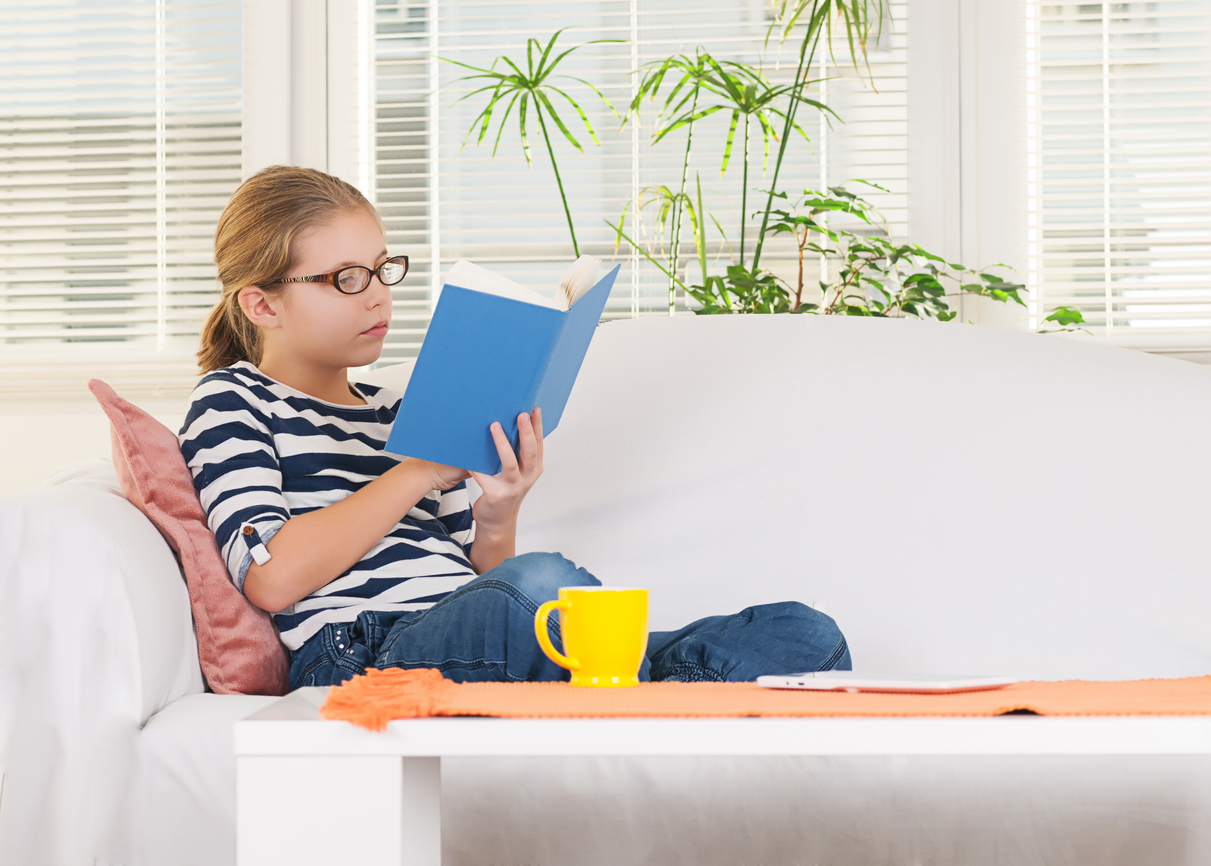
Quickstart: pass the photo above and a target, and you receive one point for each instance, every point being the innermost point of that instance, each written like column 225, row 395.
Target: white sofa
column 959, row 498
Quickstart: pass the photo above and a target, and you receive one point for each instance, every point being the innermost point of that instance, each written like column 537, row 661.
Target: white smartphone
column 849, row 681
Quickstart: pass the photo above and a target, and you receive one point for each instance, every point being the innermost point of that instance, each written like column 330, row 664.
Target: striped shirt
column 262, row 452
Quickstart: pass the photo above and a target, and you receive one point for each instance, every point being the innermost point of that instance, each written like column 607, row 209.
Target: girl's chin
column 365, row 354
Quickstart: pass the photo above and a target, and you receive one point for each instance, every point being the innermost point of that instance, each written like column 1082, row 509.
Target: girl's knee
column 540, row 575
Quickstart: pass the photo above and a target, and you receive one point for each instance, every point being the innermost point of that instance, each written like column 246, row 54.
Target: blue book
column 495, row 349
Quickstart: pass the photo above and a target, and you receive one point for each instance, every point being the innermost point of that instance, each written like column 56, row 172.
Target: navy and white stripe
column 262, row 452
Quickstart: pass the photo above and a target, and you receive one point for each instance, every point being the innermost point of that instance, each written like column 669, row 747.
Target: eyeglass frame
column 332, row 278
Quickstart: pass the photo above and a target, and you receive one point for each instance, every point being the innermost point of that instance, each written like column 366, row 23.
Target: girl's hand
column 503, row 492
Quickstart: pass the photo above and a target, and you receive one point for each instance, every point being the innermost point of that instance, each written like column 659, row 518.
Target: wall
column 39, row 437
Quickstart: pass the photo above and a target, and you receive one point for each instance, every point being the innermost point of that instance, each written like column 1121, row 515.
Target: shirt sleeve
column 228, row 446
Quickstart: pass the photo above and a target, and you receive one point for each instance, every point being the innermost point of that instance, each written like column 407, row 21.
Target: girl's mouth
column 379, row 330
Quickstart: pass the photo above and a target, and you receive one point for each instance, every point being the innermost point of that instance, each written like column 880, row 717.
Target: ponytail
column 228, row 336
column 254, row 245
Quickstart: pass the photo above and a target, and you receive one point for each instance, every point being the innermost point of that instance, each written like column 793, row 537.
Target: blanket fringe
column 373, row 699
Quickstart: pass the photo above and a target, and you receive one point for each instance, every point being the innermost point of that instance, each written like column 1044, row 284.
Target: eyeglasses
column 355, row 278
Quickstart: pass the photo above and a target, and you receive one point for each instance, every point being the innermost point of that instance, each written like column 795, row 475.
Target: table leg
column 325, row 810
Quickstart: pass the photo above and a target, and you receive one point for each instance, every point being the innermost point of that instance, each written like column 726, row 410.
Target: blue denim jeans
column 485, row 631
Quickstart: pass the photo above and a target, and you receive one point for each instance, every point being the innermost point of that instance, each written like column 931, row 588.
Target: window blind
column 443, row 201
column 1117, row 147
column 119, row 145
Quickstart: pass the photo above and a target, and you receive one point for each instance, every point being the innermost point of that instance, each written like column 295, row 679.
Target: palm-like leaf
column 666, row 201
column 861, row 19
column 745, row 92
column 526, row 88
column 689, row 74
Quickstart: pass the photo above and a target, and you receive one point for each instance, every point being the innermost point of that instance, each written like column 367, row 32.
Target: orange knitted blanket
column 379, row 696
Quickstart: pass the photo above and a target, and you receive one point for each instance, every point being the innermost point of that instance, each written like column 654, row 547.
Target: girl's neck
column 330, row 384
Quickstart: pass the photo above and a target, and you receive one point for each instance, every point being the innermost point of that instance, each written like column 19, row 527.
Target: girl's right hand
column 443, row 477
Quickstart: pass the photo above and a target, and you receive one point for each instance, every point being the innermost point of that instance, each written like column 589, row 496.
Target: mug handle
column 544, row 639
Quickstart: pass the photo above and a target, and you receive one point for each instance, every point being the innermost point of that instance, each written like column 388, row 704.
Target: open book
column 576, row 280
column 495, row 349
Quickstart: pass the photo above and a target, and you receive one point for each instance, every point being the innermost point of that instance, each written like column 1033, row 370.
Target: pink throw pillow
column 238, row 644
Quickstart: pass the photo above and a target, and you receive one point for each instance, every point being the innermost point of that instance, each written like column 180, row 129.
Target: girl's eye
column 351, row 280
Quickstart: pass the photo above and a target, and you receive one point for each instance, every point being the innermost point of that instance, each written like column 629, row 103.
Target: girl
column 364, row 559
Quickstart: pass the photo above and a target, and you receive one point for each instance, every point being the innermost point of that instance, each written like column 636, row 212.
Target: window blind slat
column 120, row 142
column 1117, row 119
column 442, row 201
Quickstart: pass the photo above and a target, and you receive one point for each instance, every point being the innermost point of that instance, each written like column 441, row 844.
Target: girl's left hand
column 503, row 492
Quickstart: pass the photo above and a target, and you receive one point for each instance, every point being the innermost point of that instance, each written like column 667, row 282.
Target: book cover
column 489, row 358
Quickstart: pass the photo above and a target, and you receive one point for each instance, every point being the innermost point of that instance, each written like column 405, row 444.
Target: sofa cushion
column 238, row 645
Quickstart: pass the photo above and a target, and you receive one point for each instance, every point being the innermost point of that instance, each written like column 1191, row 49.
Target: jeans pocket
column 332, row 655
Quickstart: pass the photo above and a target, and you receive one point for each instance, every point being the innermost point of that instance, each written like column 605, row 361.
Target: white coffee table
column 310, row 791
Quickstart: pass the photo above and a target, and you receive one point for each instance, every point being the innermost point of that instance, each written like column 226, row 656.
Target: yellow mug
column 605, row 634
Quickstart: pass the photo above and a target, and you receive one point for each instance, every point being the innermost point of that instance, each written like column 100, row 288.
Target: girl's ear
column 257, row 307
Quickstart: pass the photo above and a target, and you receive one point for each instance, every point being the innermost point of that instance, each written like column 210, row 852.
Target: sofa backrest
column 959, row 498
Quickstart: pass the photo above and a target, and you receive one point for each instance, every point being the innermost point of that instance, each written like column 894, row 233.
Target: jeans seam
column 346, row 664
column 832, row 660
column 308, row 672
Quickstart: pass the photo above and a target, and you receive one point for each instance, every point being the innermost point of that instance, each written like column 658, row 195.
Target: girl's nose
column 376, row 291
column 377, row 295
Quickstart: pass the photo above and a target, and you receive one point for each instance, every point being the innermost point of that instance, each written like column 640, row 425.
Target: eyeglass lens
column 353, row 280
column 391, row 272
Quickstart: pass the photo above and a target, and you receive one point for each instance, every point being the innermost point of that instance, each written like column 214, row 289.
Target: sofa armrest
column 84, row 570
column 95, row 637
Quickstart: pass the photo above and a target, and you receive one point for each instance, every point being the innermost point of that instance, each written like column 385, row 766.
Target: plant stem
column 799, row 291
column 700, row 241
column 855, row 272
column 800, row 81
column 744, row 192
column 567, row 212
column 643, row 252
column 678, row 205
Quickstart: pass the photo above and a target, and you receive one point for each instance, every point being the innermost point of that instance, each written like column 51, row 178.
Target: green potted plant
column 872, row 274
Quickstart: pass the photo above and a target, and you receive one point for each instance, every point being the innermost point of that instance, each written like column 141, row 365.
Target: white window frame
column 286, row 81
column 966, row 169
column 962, row 140
column 963, row 120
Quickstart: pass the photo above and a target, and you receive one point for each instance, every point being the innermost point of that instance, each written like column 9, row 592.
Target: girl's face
column 317, row 323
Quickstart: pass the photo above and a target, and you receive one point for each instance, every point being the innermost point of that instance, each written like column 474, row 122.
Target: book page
column 577, row 279
column 472, row 276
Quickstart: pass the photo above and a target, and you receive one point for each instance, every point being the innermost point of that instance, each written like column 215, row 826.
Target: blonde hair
column 254, row 245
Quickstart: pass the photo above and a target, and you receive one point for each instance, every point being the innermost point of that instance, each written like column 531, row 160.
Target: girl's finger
column 508, row 460
column 527, row 444
column 536, row 420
